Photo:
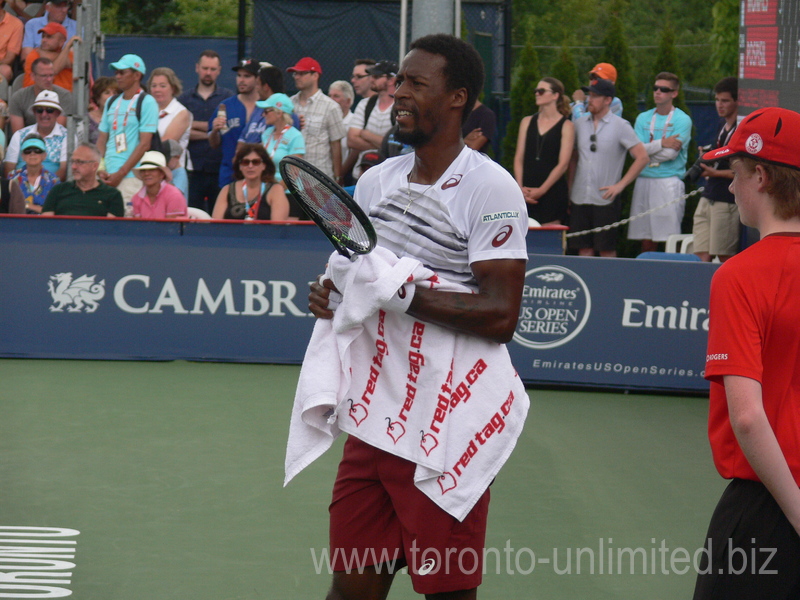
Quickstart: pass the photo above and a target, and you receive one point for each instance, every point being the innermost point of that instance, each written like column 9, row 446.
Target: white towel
column 450, row 402
column 374, row 280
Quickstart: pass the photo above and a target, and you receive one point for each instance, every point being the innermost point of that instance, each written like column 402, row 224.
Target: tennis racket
column 329, row 206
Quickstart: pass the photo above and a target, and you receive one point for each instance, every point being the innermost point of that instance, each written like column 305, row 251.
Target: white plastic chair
column 680, row 242
column 198, row 214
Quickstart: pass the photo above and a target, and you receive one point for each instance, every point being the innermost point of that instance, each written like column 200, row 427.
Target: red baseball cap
column 306, row 64
column 769, row 134
column 53, row 27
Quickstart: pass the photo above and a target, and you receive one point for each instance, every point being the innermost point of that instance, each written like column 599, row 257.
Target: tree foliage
column 211, row 17
column 725, row 37
column 141, row 17
column 667, row 60
column 587, row 22
column 565, row 70
column 615, row 51
column 163, row 17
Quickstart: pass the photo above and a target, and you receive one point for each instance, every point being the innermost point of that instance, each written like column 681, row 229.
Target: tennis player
column 752, row 547
column 464, row 217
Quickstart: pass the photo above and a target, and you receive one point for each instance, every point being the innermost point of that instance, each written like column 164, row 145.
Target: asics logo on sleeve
column 502, row 237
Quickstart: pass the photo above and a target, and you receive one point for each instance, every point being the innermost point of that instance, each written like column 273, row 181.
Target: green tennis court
column 172, row 473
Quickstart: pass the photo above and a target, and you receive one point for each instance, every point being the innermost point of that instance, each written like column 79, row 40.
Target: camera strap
column 723, row 138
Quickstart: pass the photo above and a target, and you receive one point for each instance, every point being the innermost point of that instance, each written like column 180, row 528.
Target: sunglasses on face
column 358, row 76
column 541, row 91
column 49, row 110
column 33, row 151
column 593, row 139
column 665, row 90
column 268, row 110
column 246, row 162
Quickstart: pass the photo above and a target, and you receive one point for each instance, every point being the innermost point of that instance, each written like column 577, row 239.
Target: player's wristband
column 402, row 299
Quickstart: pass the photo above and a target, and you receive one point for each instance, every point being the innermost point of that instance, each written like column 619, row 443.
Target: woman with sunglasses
column 255, row 194
column 47, row 110
column 544, row 149
column 280, row 138
column 32, row 178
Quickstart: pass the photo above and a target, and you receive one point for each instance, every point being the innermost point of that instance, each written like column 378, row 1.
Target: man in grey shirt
column 601, row 142
column 20, row 105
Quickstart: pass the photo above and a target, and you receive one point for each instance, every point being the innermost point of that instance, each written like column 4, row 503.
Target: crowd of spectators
column 220, row 149
column 569, row 157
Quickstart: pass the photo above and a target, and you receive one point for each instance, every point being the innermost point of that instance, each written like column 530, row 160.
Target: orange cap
column 605, row 71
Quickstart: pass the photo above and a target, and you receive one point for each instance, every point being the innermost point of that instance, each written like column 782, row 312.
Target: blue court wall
column 138, row 290
column 178, row 53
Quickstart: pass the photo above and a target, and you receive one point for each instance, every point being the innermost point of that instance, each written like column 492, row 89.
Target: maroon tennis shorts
column 379, row 517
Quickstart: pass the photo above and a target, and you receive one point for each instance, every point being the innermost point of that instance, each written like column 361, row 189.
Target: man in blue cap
column 125, row 135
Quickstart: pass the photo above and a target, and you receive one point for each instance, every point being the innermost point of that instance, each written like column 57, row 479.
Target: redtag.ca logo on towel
column 556, row 304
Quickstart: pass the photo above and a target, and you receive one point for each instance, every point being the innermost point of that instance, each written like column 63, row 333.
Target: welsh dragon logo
column 75, row 294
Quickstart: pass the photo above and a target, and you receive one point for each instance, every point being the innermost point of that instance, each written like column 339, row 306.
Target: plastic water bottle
column 223, row 112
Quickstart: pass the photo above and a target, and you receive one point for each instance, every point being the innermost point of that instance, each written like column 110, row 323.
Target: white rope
column 634, row 217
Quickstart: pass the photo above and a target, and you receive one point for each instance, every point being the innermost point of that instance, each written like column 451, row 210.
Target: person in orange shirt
column 11, row 30
column 53, row 46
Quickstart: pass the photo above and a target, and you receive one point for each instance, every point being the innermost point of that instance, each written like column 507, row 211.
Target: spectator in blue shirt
column 225, row 129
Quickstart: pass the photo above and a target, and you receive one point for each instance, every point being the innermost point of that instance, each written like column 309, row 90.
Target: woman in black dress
column 544, row 149
column 255, row 194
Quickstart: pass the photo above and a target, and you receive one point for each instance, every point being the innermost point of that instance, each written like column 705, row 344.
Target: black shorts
column 589, row 216
column 754, row 552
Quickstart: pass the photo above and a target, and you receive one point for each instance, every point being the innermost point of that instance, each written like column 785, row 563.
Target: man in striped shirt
column 322, row 119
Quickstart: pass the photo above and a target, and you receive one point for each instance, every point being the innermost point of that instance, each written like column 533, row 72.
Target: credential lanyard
column 666, row 124
column 127, row 111
column 278, row 141
column 247, row 199
column 723, row 138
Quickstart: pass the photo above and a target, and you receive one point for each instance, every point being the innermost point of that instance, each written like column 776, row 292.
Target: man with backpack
column 129, row 122
column 373, row 116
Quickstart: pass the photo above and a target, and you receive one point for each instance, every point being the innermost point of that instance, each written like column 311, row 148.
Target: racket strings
column 334, row 213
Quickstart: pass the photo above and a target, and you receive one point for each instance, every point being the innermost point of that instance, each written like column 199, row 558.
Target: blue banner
column 147, row 290
column 113, row 289
column 615, row 323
